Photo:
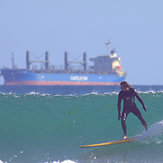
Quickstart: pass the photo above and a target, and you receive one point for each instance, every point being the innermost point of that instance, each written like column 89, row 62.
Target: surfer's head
column 124, row 86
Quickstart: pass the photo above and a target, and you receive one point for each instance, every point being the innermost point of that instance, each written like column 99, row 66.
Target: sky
column 133, row 27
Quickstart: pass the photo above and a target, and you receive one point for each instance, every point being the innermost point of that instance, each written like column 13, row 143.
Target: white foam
column 153, row 132
column 37, row 93
column 94, row 92
column 65, row 161
column 2, row 161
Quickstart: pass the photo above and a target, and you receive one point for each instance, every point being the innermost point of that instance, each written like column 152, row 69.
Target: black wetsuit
column 130, row 106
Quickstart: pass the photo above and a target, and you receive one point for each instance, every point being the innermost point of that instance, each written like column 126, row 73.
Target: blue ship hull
column 26, row 77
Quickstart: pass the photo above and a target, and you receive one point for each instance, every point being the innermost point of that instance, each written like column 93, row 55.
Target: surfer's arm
column 119, row 106
column 140, row 100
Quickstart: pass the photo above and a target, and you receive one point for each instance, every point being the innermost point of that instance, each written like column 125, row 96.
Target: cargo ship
column 106, row 70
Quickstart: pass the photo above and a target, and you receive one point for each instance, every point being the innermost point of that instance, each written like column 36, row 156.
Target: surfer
column 128, row 95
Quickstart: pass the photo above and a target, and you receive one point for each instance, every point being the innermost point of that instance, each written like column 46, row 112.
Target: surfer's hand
column 119, row 116
column 144, row 108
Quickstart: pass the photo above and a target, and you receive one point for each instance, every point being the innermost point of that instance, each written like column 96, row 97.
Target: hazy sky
column 134, row 28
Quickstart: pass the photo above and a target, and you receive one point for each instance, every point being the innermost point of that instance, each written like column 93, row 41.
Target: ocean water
column 48, row 124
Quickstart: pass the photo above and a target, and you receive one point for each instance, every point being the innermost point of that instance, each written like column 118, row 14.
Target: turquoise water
column 44, row 127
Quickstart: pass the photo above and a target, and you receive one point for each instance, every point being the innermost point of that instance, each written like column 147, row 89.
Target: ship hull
column 26, row 77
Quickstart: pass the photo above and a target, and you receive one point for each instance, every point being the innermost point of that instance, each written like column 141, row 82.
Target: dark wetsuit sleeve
column 138, row 97
column 119, row 102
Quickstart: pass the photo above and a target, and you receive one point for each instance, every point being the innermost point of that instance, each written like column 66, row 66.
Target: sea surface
column 48, row 124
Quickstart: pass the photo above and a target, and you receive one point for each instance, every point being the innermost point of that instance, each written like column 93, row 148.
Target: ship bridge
column 107, row 64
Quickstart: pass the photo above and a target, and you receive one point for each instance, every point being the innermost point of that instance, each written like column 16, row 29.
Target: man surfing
column 127, row 94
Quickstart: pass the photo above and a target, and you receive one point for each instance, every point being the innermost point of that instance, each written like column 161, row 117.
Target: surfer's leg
column 123, row 122
column 138, row 114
